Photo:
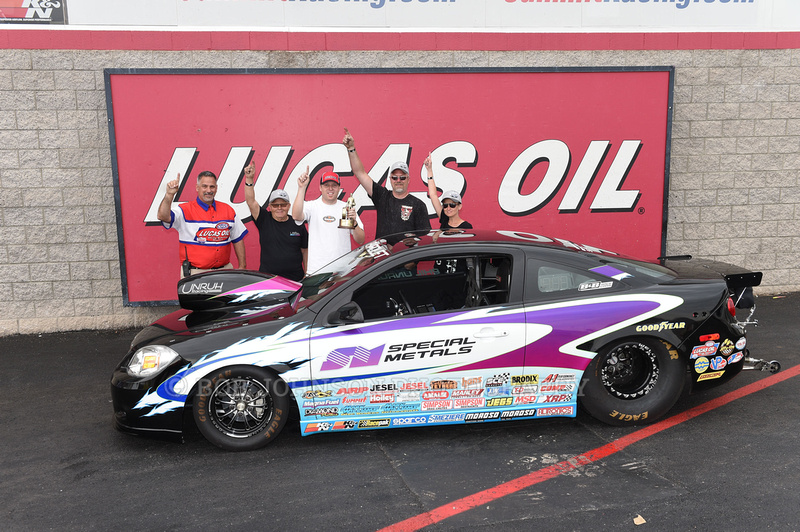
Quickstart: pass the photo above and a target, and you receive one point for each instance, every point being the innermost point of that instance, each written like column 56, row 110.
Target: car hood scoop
column 233, row 288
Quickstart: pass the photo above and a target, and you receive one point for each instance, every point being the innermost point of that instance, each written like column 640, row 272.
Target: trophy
column 345, row 222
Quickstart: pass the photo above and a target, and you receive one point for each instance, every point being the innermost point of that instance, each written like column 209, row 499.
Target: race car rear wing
column 740, row 281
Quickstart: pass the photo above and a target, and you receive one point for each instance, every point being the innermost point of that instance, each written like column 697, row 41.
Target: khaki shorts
column 193, row 271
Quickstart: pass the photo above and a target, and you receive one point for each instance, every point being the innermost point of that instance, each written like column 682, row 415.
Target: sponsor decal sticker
column 523, row 390
column 311, row 394
column 500, row 401
column 408, row 397
column 710, row 375
column 437, row 405
column 344, row 425
column 525, row 400
column 497, row 380
column 400, row 407
column 706, row 350
column 459, row 394
column 594, row 285
column 471, row 382
column 512, row 414
column 736, row 357
column 469, row 402
column 406, row 421
column 727, row 347
column 381, row 397
column 558, row 398
column 445, row 418
column 482, row 416
column 352, row 391
column 354, row 357
column 496, row 392
column 718, row 363
column 320, row 402
column 354, row 400
column 327, row 411
column 519, row 380
column 557, row 411
column 701, row 364
column 570, row 387
column 559, row 377
column 658, row 327
column 373, row 423
column 435, row 394
column 741, row 343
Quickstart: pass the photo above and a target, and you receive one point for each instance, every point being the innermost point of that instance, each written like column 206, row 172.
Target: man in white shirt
column 326, row 241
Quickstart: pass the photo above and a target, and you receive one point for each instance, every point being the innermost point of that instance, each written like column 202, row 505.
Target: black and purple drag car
column 433, row 329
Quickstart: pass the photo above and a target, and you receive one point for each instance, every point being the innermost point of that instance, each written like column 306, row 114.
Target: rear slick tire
column 241, row 408
column 634, row 381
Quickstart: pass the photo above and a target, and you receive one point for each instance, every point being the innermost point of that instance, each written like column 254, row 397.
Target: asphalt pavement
column 727, row 460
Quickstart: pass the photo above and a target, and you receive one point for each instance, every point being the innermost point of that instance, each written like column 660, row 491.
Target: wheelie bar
column 773, row 366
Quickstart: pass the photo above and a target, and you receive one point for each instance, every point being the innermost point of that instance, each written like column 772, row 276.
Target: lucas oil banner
column 573, row 154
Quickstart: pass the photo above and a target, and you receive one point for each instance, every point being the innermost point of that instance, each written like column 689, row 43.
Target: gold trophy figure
column 345, row 222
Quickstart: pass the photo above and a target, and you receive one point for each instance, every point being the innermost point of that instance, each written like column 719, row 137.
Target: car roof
column 486, row 236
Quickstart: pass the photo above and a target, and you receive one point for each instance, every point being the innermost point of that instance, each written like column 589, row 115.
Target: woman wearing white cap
column 448, row 207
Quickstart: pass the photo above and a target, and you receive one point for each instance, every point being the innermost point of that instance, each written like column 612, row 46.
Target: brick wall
column 735, row 161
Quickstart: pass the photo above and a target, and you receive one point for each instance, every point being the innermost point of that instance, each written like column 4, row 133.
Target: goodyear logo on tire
column 701, row 364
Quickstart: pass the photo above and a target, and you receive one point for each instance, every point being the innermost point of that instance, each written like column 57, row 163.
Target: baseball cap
column 279, row 194
column 330, row 176
column 451, row 195
column 399, row 165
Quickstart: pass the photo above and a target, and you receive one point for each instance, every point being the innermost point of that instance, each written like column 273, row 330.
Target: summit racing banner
column 436, row 15
column 576, row 154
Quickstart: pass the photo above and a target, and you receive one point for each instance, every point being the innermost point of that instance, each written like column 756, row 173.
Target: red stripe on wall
column 65, row 39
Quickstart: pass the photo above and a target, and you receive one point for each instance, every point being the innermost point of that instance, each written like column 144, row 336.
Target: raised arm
column 249, row 193
column 299, row 200
column 356, row 164
column 165, row 207
column 432, row 192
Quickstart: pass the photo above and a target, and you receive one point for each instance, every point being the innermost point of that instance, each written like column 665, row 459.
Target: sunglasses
column 399, row 177
column 449, row 205
column 279, row 205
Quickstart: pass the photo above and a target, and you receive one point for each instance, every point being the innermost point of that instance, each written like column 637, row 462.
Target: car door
column 426, row 338
column 574, row 304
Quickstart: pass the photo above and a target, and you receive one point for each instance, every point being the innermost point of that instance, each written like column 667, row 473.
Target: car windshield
column 345, row 267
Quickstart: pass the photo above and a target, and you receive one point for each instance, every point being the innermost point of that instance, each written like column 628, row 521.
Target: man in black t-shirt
column 284, row 242
column 397, row 211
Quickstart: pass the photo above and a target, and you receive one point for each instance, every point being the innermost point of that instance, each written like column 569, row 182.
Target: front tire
column 241, row 408
column 633, row 382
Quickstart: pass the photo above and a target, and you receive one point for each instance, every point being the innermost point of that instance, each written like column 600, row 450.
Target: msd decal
column 590, row 169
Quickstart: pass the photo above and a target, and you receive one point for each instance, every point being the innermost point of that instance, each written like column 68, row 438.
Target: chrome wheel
column 240, row 407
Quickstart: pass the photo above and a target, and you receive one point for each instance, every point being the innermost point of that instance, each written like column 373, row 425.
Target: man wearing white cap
column 397, row 211
column 326, row 240
column 284, row 242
